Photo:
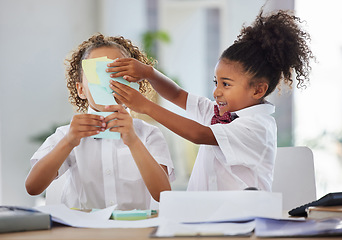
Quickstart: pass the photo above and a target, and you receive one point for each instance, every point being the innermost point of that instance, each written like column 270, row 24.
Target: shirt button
column 108, row 172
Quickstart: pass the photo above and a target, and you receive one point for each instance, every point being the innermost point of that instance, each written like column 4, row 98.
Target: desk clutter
column 214, row 213
column 330, row 199
column 235, row 213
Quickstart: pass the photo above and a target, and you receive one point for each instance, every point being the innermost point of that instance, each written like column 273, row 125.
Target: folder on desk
column 15, row 219
column 291, row 228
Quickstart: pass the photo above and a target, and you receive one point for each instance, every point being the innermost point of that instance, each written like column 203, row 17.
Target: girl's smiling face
column 233, row 90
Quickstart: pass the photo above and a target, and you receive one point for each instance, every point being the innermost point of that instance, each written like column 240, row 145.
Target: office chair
column 294, row 176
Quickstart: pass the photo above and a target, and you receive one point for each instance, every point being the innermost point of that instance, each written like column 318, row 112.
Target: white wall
column 36, row 36
column 126, row 18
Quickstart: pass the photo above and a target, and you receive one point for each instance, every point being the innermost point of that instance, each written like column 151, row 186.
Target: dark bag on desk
column 15, row 219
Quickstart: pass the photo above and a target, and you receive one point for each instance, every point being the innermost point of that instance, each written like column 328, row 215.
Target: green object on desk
column 131, row 215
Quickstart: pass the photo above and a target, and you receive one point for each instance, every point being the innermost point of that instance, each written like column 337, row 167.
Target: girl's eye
column 215, row 82
column 225, row 84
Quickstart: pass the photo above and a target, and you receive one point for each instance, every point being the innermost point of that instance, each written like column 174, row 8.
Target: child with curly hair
column 103, row 172
column 237, row 133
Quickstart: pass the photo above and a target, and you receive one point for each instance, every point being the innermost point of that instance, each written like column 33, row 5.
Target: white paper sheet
column 172, row 229
column 98, row 219
column 180, row 206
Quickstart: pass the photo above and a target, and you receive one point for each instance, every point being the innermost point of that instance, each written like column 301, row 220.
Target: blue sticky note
column 99, row 86
column 104, row 77
column 100, row 95
column 130, row 215
column 106, row 134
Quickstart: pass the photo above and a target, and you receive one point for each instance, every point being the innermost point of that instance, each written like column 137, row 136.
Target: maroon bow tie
column 224, row 119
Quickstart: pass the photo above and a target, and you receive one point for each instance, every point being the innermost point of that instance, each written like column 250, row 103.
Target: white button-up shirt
column 246, row 148
column 102, row 172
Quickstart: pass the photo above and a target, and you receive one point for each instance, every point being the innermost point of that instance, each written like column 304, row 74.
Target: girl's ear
column 80, row 90
column 260, row 90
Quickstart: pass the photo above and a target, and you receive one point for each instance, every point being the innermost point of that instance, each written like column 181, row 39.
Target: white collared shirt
column 245, row 153
column 103, row 171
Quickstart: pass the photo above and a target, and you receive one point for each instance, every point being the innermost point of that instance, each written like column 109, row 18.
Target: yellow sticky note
column 89, row 68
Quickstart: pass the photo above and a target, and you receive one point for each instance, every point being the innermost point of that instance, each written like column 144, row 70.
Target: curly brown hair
column 271, row 48
column 74, row 65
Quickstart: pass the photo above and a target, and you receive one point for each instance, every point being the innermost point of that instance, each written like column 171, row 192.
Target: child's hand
column 84, row 125
column 130, row 69
column 120, row 121
column 130, row 97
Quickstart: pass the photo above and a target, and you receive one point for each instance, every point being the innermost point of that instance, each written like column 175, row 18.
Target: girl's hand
column 130, row 97
column 120, row 121
column 84, row 125
column 130, row 69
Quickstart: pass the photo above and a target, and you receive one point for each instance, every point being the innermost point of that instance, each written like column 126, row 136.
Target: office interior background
column 186, row 37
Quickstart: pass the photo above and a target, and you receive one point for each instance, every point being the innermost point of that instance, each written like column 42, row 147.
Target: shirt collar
column 263, row 108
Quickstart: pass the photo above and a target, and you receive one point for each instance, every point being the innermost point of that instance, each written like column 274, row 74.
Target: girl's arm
column 154, row 175
column 184, row 127
column 133, row 70
column 46, row 169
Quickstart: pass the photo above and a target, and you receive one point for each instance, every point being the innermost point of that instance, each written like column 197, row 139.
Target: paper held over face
column 211, row 206
column 98, row 80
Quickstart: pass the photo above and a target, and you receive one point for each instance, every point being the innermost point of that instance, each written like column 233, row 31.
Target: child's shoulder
column 62, row 130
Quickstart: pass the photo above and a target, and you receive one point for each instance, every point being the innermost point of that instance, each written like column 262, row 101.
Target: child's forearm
column 154, row 176
column 184, row 127
column 46, row 169
column 167, row 88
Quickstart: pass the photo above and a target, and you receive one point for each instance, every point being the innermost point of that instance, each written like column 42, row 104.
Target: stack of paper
column 321, row 212
column 297, row 228
column 215, row 213
column 214, row 206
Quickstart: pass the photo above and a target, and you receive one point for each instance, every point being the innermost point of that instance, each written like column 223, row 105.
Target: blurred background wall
column 186, row 37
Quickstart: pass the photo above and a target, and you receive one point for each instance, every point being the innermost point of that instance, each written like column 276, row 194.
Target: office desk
column 62, row 232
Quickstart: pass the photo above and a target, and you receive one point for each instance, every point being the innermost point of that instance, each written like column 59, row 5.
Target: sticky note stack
column 98, row 80
column 98, row 83
column 131, row 215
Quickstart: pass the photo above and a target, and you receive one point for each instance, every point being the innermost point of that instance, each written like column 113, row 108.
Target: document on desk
column 216, row 206
column 293, row 228
column 214, row 213
column 97, row 219
column 169, row 228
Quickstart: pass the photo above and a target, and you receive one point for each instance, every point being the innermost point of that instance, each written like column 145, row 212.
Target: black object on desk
column 331, row 199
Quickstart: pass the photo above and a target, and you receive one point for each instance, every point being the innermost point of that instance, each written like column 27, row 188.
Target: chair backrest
column 54, row 190
column 294, row 176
